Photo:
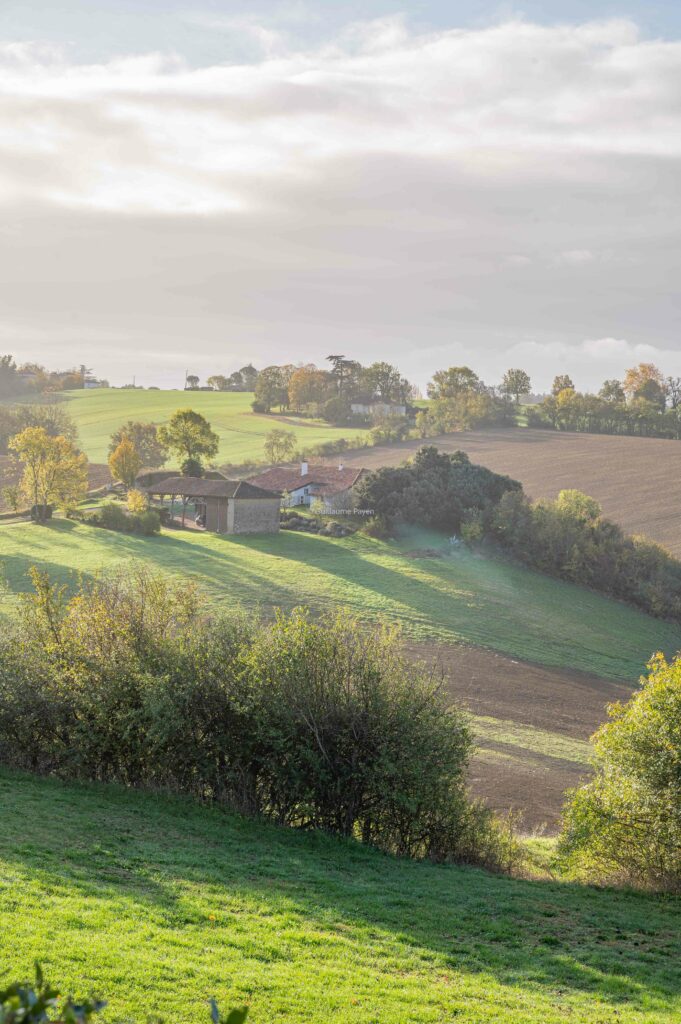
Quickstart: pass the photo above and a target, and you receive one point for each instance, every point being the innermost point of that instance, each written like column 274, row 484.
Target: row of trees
column 32, row 378
column 644, row 402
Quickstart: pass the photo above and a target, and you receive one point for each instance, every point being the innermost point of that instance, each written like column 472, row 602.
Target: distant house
column 223, row 506
column 333, row 486
column 378, row 409
column 92, row 382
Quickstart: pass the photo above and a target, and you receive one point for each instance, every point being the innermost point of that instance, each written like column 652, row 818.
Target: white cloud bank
column 484, row 195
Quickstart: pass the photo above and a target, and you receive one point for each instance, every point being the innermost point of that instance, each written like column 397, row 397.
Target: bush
column 113, row 517
column 313, row 724
column 624, row 826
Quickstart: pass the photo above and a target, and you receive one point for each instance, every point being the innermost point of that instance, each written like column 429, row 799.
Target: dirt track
column 636, row 479
column 554, row 700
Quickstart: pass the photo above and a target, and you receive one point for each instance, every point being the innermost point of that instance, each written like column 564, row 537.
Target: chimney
column 304, row 468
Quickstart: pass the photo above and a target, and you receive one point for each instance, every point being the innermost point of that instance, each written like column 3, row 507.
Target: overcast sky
column 194, row 187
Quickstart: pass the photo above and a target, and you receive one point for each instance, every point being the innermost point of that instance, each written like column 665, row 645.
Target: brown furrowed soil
column 526, row 761
column 637, row 480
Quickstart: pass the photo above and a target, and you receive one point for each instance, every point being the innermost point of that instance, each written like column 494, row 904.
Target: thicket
column 591, row 414
column 568, row 538
column 312, row 724
column 624, row 826
column 110, row 516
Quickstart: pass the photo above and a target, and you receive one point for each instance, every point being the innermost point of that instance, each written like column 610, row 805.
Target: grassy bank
column 462, row 597
column 159, row 904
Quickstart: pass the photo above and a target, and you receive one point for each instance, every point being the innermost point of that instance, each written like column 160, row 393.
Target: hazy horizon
column 195, row 188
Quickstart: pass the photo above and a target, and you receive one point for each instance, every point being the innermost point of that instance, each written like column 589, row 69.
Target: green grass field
column 158, row 903
column 98, row 414
column 463, row 597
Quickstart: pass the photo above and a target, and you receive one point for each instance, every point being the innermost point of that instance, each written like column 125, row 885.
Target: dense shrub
column 625, row 824
column 434, row 489
column 114, row 517
column 314, row 724
column 570, row 539
column 571, row 410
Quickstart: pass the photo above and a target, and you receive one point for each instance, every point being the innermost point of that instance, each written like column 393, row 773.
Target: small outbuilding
column 222, row 506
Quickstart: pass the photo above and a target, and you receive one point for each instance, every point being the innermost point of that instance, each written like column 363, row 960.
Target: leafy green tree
column 624, row 825
column 279, row 445
column 271, row 388
column 145, row 438
column 192, row 382
column 612, row 391
column 218, row 382
column 385, row 382
column 515, row 384
column 560, row 383
column 453, row 382
column 188, row 434
column 10, row 383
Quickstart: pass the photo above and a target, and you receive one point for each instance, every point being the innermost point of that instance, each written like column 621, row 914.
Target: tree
column 191, row 382
column 279, row 445
column 125, row 463
column 515, row 383
column 638, row 376
column 673, row 389
column 53, row 471
column 560, row 382
column 10, row 383
column 653, row 392
column 218, row 382
column 271, row 389
column 612, row 391
column 346, row 374
column 453, row 382
column 188, row 434
column 138, row 502
column 144, row 436
column 249, row 375
column 625, row 824
column 12, row 496
column 384, row 381
column 307, row 386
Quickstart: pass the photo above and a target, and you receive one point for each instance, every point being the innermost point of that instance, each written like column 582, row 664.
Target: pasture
column 98, row 414
column 159, row 904
column 462, row 597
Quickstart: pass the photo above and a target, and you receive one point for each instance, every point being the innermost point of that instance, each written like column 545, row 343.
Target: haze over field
column 212, row 188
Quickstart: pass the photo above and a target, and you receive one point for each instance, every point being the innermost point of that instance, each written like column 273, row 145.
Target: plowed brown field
column 636, row 479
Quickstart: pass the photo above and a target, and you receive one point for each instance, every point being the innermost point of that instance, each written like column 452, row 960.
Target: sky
column 197, row 186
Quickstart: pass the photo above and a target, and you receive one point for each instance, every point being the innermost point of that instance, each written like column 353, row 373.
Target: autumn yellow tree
column 645, row 381
column 54, row 472
column 125, row 462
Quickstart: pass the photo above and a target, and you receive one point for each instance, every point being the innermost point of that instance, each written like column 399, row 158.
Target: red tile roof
column 329, row 479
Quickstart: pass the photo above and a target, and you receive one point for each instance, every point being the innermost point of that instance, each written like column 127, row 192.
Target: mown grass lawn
column 462, row 597
column 98, row 414
column 160, row 903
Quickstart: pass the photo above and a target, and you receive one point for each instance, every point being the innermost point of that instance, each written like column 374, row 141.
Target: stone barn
column 223, row 506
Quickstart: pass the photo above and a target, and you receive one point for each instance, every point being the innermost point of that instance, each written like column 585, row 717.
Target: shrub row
column 313, row 724
column 113, row 517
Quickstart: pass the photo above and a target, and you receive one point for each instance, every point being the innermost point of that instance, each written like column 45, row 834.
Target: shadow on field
column 168, row 861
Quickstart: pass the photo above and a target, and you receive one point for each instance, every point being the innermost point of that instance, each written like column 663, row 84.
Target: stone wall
column 253, row 515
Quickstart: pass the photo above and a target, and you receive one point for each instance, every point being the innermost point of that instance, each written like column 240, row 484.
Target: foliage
column 387, row 429
column 569, row 538
column 279, row 445
column 434, row 490
column 53, row 418
column 624, row 825
column 53, row 471
column 455, row 381
column 137, row 501
column 144, row 436
column 271, row 388
column 112, row 516
column 313, row 724
column 463, row 411
column 188, row 434
column 515, row 384
column 192, row 466
column 12, row 496
column 24, row 1002
column 125, row 462
column 560, row 383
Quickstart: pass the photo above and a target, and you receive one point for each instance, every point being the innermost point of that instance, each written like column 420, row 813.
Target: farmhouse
column 333, row 486
column 378, row 409
column 223, row 506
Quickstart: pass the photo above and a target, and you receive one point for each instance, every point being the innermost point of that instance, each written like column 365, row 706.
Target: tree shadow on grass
column 154, row 852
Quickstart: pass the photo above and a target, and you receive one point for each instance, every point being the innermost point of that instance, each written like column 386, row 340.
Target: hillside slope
column 159, row 904
column 98, row 414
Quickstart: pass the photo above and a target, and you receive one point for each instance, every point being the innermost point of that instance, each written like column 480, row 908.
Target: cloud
column 398, row 194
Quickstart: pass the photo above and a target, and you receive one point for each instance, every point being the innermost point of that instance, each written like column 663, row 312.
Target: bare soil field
column 637, row 480
column 98, row 476
column 548, row 705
